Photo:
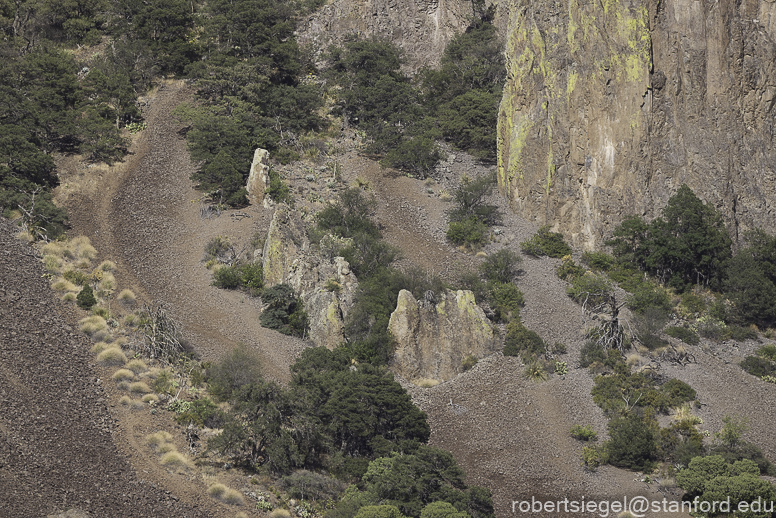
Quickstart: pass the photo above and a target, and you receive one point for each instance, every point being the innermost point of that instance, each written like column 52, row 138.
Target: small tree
column 85, row 298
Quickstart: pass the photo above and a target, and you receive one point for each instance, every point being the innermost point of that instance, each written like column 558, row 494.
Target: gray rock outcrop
column 323, row 281
column 435, row 335
column 610, row 107
column 258, row 177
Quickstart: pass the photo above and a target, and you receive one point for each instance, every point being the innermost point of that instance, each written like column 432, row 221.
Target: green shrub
column 469, row 362
column 599, row 261
column 584, row 433
column 767, row 351
column 76, row 277
column 227, row 277
column 535, row 370
column 684, row 334
column 216, row 248
column 590, row 289
column 501, row 267
column 593, row 457
column 561, row 368
column 546, row 243
column 506, row 300
column 757, row 366
column 85, row 298
column 648, row 325
column 569, row 270
column 646, row 297
column 308, row 485
column 677, row 392
column 692, row 303
column 469, row 232
column 470, row 196
column 522, row 341
column 739, row 333
column 284, row 312
column 277, row 189
column 632, row 443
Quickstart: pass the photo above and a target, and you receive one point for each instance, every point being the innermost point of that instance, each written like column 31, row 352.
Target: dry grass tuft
column 93, row 324
column 68, row 297
column 107, row 266
column 166, row 447
column 127, row 297
column 241, row 515
column 112, row 356
column 108, row 281
column 57, row 249
column 426, row 382
column 52, row 263
column 25, row 236
column 161, row 437
column 280, row 513
column 99, row 347
column 150, row 397
column 63, row 285
column 174, row 459
column 226, row 495
column 123, row 375
column 133, row 404
column 137, row 366
column 139, row 388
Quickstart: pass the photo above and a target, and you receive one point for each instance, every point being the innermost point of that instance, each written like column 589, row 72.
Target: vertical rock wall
column 610, row 106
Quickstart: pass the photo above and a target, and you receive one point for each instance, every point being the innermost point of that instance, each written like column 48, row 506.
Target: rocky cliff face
column 610, row 106
column 324, row 282
column 435, row 336
column 421, row 27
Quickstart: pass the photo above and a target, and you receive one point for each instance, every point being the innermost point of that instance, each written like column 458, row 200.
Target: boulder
column 435, row 335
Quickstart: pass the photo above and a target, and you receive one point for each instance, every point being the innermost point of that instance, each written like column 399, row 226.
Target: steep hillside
column 57, row 433
column 610, row 107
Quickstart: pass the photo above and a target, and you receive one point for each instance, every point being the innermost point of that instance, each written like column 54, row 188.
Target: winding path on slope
column 146, row 218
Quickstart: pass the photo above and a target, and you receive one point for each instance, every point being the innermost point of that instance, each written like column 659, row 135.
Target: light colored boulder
column 258, row 178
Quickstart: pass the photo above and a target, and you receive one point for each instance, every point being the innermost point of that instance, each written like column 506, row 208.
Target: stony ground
column 56, row 430
column 508, row 433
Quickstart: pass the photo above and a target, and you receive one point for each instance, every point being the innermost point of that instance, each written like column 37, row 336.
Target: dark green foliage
column 680, row 442
column 506, row 300
column 521, row 340
column 469, row 232
column 714, row 479
column 412, row 482
column 744, row 451
column 470, row 199
column 648, row 325
column 284, row 311
column 584, row 433
column 308, row 485
column 751, row 280
column 501, row 266
column 648, row 297
column 687, row 245
column 693, row 304
column 569, row 270
column 739, row 333
column 757, row 366
column 767, row 351
column 76, row 277
column 247, row 276
column 240, row 367
column 632, row 443
column 590, row 289
column 202, row 413
column 85, row 298
column 277, row 190
column 350, row 215
column 677, row 392
column 598, row 261
column 684, row 334
column 546, row 243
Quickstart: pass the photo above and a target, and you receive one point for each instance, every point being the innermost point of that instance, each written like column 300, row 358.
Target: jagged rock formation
column 258, row 177
column 324, row 282
column 436, row 334
column 609, row 107
column 421, row 27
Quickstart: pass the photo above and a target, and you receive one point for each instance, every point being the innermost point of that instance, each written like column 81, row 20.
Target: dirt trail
column 148, row 221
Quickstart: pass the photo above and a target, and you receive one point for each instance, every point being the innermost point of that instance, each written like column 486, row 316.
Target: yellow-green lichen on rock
column 576, row 77
column 433, row 337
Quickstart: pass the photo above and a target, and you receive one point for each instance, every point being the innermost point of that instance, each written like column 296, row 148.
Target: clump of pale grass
column 174, row 459
column 133, row 404
column 137, row 366
column 226, row 495
column 52, row 263
column 155, row 439
column 93, row 324
column 99, row 347
column 426, row 382
column 150, row 397
column 280, row 513
column 69, row 296
column 107, row 266
column 112, row 356
column 63, row 285
column 123, row 375
column 127, row 297
column 139, row 388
